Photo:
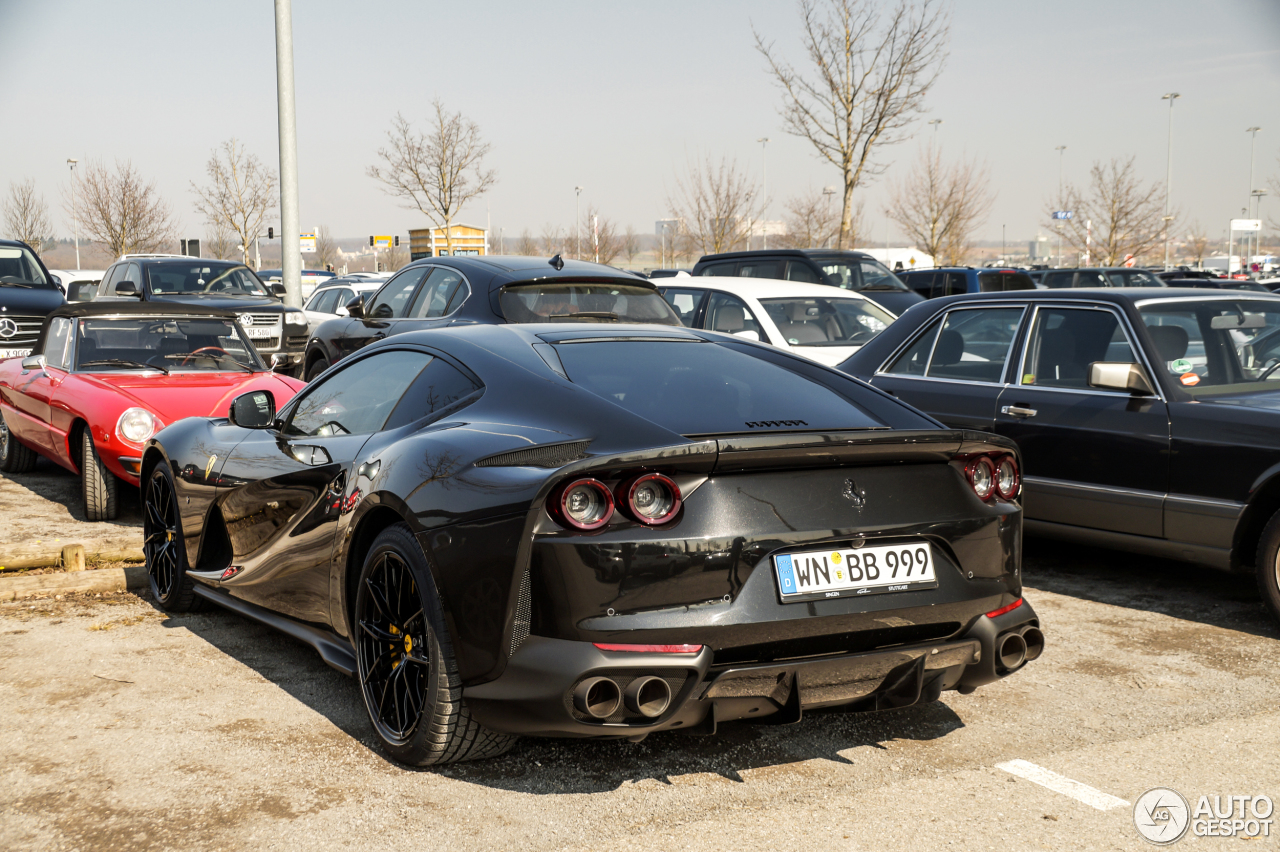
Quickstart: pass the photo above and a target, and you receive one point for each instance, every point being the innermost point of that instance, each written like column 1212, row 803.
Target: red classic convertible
column 102, row 378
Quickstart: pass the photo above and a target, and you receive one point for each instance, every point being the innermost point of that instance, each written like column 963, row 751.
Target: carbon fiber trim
column 552, row 455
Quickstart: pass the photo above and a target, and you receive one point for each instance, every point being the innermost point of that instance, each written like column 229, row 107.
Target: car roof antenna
column 557, row 262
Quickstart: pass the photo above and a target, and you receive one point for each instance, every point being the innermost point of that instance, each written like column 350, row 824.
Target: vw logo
column 8, row 328
column 245, row 320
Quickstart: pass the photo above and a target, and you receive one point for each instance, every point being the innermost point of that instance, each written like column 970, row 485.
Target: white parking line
column 1062, row 784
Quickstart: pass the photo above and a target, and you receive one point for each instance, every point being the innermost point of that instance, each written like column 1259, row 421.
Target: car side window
column 393, row 299
column 719, row 269
column 435, row 295
column 956, row 284
column 357, row 400
column 921, row 282
column 1065, row 341
column 913, row 361
column 436, row 388
column 685, row 303
column 730, row 315
column 800, row 271
column 322, row 301
column 973, row 345
column 132, row 273
column 107, row 288
column 1057, row 280
column 55, row 346
column 760, row 269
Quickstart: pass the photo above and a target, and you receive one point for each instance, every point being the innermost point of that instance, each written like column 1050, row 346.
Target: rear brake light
column 982, row 477
column 651, row 649
column 992, row 475
column 583, row 504
column 649, row 498
column 1002, row 610
column 1008, row 480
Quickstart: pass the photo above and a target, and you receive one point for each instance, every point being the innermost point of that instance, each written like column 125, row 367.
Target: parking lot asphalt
column 42, row 511
column 126, row 728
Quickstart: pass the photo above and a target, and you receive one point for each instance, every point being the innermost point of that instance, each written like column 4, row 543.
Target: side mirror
column 355, row 308
column 1121, row 376
column 128, row 288
column 342, row 311
column 748, row 335
column 253, row 410
column 277, row 288
column 33, row 362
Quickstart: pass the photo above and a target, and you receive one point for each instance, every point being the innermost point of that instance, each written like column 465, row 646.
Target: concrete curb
column 102, row 580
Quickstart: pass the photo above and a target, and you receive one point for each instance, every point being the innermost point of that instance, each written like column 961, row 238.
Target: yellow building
column 431, row 242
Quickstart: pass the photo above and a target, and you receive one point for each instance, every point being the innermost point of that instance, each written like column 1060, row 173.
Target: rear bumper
column 534, row 695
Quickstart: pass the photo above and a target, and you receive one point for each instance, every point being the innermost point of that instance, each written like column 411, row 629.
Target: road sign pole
column 290, row 254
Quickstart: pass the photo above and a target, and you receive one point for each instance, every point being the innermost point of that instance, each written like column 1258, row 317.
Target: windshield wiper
column 604, row 315
column 123, row 362
column 23, row 284
column 211, row 357
column 881, row 287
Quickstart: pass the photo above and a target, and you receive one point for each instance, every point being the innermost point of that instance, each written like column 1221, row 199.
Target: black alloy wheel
column 14, row 456
column 405, row 664
column 162, row 544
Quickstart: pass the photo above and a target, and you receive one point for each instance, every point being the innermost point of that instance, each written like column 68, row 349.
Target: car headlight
column 136, row 425
column 295, row 318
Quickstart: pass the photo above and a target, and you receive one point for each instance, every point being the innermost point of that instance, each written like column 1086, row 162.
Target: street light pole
column 1060, row 149
column 828, row 191
column 290, row 248
column 764, row 167
column 74, row 218
column 1168, row 178
column 577, row 237
column 1253, row 142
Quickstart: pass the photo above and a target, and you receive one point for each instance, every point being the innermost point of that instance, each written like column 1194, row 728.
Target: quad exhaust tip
column 597, row 697
column 1012, row 651
column 1034, row 640
column 649, row 696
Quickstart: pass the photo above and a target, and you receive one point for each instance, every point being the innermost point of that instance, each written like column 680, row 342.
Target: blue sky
column 616, row 97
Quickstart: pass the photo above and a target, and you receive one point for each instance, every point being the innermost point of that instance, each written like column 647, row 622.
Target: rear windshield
column 697, row 388
column 995, row 282
column 19, row 268
column 587, row 303
column 1133, row 278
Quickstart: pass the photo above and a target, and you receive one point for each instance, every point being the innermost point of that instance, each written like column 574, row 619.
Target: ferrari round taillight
column 649, row 498
column 982, row 475
column 583, row 504
column 1007, row 478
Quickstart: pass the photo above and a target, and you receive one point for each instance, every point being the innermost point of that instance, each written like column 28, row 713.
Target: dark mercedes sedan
column 442, row 291
column 598, row 531
column 1148, row 419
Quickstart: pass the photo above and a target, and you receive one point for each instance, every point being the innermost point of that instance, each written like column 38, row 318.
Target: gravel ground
column 130, row 729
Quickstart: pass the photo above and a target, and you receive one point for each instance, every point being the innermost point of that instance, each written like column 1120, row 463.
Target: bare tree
column 240, row 193
column 1127, row 216
column 868, row 84
column 1274, row 185
column 813, row 223
column 940, row 205
column 222, row 245
column 552, row 240
column 120, row 210
column 1198, row 241
column 438, row 172
column 393, row 259
column 600, row 236
column 326, row 248
column 718, row 204
column 526, row 245
column 26, row 216
column 630, row 245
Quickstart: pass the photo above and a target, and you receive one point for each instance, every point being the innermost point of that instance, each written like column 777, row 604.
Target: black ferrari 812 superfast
column 598, row 531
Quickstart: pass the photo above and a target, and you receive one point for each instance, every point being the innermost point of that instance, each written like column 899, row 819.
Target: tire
column 1268, row 562
column 317, row 367
column 15, row 457
column 405, row 664
column 162, row 543
column 101, row 488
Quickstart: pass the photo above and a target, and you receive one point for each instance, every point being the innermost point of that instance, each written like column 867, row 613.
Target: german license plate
column 14, row 353
column 845, row 572
column 261, row 333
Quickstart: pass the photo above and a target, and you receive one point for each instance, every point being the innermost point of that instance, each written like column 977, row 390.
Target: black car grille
column 25, row 337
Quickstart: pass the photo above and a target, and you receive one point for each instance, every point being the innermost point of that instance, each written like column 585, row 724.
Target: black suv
column 278, row 333
column 440, row 291
column 27, row 295
column 850, row 270
column 1099, row 276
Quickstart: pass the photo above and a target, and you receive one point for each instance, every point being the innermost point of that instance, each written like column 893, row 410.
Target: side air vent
column 520, row 627
column 551, row 455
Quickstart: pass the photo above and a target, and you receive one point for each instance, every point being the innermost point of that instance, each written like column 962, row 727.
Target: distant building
column 1040, row 250
column 769, row 228
column 431, row 242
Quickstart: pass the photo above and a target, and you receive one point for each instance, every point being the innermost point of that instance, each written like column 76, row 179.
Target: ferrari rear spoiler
column 829, row 449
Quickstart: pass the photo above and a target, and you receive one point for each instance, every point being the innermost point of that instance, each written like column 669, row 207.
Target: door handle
column 1018, row 411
